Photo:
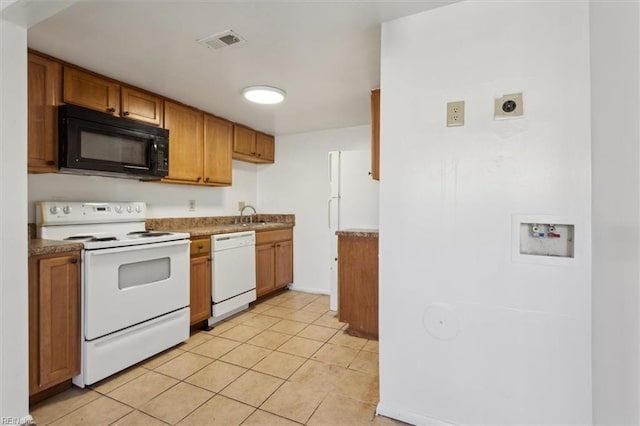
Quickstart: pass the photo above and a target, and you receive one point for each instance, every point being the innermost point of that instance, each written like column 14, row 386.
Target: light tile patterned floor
column 285, row 361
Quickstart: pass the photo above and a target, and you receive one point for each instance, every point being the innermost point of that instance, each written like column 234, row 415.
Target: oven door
column 125, row 286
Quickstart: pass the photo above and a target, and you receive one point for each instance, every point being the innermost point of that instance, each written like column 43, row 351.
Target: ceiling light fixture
column 264, row 94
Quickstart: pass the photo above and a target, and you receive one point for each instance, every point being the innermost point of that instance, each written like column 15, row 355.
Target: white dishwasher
column 233, row 273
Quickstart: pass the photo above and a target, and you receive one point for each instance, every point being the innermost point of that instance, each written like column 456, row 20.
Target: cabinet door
column 141, row 106
column 44, row 81
column 284, row 263
column 54, row 317
column 265, row 147
column 200, row 293
column 265, row 268
column 375, row 134
column 218, row 140
column 244, row 140
column 185, row 142
column 89, row 91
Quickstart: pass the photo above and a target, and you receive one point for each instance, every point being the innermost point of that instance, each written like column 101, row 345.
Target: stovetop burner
column 90, row 238
column 149, row 233
column 104, row 239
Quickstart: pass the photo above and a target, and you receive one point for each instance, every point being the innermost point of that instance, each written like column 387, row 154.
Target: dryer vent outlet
column 508, row 106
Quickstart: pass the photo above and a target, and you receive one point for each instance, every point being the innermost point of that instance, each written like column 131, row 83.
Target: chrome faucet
column 251, row 216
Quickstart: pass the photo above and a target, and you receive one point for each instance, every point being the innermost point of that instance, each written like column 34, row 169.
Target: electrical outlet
column 508, row 106
column 192, row 205
column 455, row 114
column 241, row 205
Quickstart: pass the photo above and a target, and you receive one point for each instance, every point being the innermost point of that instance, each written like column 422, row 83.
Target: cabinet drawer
column 200, row 246
column 265, row 237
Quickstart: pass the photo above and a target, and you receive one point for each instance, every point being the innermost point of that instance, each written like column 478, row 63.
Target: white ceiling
column 324, row 54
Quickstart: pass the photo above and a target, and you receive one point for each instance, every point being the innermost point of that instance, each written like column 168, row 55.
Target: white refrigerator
column 353, row 203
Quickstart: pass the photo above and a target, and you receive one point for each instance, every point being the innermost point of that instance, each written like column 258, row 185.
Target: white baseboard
column 408, row 417
column 308, row 290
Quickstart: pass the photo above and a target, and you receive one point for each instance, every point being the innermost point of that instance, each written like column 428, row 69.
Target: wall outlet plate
column 455, row 114
column 508, row 106
column 241, row 205
column 192, row 205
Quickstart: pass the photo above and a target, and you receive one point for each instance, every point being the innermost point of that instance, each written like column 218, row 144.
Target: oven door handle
column 100, row 252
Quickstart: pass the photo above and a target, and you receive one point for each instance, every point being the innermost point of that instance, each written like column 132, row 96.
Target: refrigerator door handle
column 329, row 212
column 330, row 167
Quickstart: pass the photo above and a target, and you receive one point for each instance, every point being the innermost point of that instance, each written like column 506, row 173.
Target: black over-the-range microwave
column 95, row 143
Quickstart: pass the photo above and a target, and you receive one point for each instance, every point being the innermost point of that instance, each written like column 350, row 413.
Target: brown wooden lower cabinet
column 274, row 260
column 358, row 284
column 200, row 286
column 54, row 320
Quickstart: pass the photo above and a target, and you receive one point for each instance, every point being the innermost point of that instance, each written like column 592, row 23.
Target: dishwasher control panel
column 233, row 240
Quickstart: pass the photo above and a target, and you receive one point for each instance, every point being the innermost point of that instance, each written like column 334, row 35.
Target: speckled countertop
column 206, row 230
column 205, row 226
column 39, row 247
column 358, row 233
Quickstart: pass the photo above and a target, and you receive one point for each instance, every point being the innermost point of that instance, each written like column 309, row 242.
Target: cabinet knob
column 207, row 179
column 74, row 260
column 112, row 110
column 200, row 247
column 199, row 179
column 126, row 113
column 51, row 163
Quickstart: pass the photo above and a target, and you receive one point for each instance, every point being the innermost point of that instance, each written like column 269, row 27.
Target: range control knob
column 138, row 209
column 66, row 209
column 129, row 209
column 54, row 209
column 118, row 209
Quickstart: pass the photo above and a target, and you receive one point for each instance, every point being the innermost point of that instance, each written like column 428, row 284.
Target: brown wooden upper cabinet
column 244, row 141
column 101, row 94
column 89, row 91
column 185, row 143
column 141, row 106
column 218, row 140
column 252, row 146
column 199, row 146
column 375, row 134
column 265, row 147
column 44, row 82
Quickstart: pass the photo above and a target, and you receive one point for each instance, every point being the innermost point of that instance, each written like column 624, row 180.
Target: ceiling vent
column 222, row 40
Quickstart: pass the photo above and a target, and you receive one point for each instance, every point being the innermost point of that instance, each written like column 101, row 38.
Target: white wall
column 519, row 348
column 615, row 108
column 163, row 200
column 297, row 183
column 14, row 372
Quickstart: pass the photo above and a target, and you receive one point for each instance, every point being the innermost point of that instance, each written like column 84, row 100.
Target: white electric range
column 135, row 283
